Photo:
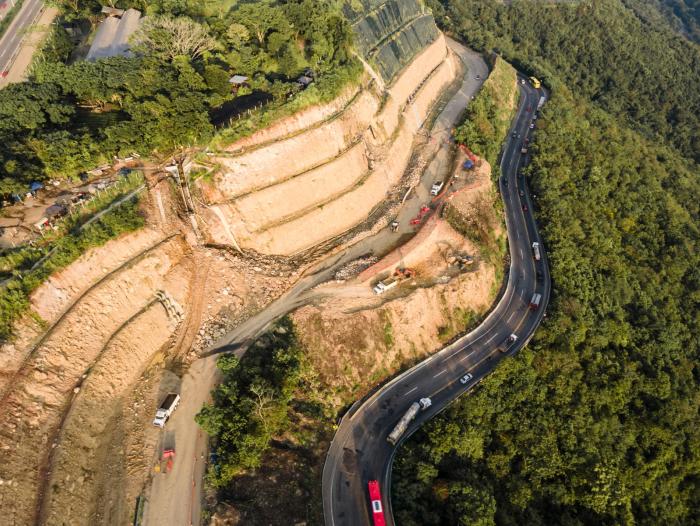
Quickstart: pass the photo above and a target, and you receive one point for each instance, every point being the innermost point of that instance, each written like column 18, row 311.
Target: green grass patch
column 324, row 90
column 488, row 117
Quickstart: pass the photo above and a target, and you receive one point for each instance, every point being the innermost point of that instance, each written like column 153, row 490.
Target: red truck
column 375, row 498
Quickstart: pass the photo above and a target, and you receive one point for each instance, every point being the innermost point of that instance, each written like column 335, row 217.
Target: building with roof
column 112, row 37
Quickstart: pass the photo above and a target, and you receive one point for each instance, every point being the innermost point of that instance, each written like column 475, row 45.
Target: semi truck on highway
column 407, row 418
column 536, row 250
column 535, row 301
column 166, row 409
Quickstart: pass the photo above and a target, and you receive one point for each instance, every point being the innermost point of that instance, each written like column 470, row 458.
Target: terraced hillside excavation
column 108, row 336
column 328, row 168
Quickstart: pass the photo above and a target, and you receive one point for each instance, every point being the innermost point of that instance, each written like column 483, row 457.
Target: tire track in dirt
column 34, row 406
column 49, row 331
column 56, row 436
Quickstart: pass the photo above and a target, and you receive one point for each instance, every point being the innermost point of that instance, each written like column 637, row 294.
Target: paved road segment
column 12, row 39
column 359, row 451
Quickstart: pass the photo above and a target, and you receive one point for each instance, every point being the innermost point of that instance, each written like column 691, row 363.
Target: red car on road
column 375, row 498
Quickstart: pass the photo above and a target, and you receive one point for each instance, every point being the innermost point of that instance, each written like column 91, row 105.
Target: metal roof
column 112, row 37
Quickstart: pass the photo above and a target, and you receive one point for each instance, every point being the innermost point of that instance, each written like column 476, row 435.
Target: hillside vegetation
column 602, row 51
column 168, row 95
column 489, row 115
column 596, row 422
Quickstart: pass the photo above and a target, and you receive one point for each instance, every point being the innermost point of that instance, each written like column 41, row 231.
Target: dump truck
column 384, row 285
column 536, row 250
column 166, row 409
column 407, row 418
column 535, row 301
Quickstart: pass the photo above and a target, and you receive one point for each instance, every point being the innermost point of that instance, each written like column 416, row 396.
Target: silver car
column 465, row 379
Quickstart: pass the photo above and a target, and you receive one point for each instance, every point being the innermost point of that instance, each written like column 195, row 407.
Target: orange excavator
column 405, row 273
column 165, row 465
column 421, row 214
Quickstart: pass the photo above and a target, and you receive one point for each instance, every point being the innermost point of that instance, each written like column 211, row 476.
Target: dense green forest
column 602, row 51
column 597, row 421
column 682, row 15
column 251, row 403
column 73, row 113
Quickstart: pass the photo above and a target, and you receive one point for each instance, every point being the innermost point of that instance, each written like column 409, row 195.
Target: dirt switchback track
column 55, row 436
column 22, row 369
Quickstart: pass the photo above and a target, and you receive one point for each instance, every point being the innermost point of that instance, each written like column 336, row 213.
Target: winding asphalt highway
column 359, row 451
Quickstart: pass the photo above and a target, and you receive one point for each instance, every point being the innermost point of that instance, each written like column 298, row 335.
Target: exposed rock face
column 329, row 167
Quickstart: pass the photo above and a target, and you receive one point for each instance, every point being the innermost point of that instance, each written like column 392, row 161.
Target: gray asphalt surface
column 12, row 39
column 359, row 451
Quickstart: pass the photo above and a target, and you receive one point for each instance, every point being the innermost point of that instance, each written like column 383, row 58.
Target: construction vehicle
column 435, row 189
column 165, row 464
column 421, row 214
column 383, row 286
column 536, row 250
column 407, row 418
column 535, row 301
column 389, row 283
column 404, row 273
column 473, row 158
column 535, row 83
column 166, row 409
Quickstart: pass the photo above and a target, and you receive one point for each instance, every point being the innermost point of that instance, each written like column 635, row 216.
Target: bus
column 535, row 83
column 375, row 498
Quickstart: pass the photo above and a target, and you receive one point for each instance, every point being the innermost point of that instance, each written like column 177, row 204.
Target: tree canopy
column 597, row 421
column 73, row 114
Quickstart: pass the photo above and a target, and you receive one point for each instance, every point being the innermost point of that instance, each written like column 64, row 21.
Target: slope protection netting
column 390, row 33
column 403, row 46
column 383, row 21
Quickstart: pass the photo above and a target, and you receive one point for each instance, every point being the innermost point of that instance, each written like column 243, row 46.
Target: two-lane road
column 12, row 39
column 359, row 451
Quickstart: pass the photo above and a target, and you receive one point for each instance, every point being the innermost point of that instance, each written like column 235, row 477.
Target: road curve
column 359, row 451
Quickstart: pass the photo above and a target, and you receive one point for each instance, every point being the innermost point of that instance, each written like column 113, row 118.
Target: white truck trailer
column 166, row 409
column 407, row 418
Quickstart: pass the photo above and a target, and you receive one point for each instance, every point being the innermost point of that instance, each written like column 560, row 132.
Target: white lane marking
column 521, row 253
column 511, row 316
column 467, row 356
column 440, row 373
column 409, row 392
column 491, row 339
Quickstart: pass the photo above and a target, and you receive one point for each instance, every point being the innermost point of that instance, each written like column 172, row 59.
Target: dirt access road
column 175, row 498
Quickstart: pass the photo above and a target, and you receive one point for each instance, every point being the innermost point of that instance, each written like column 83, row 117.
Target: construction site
column 327, row 215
